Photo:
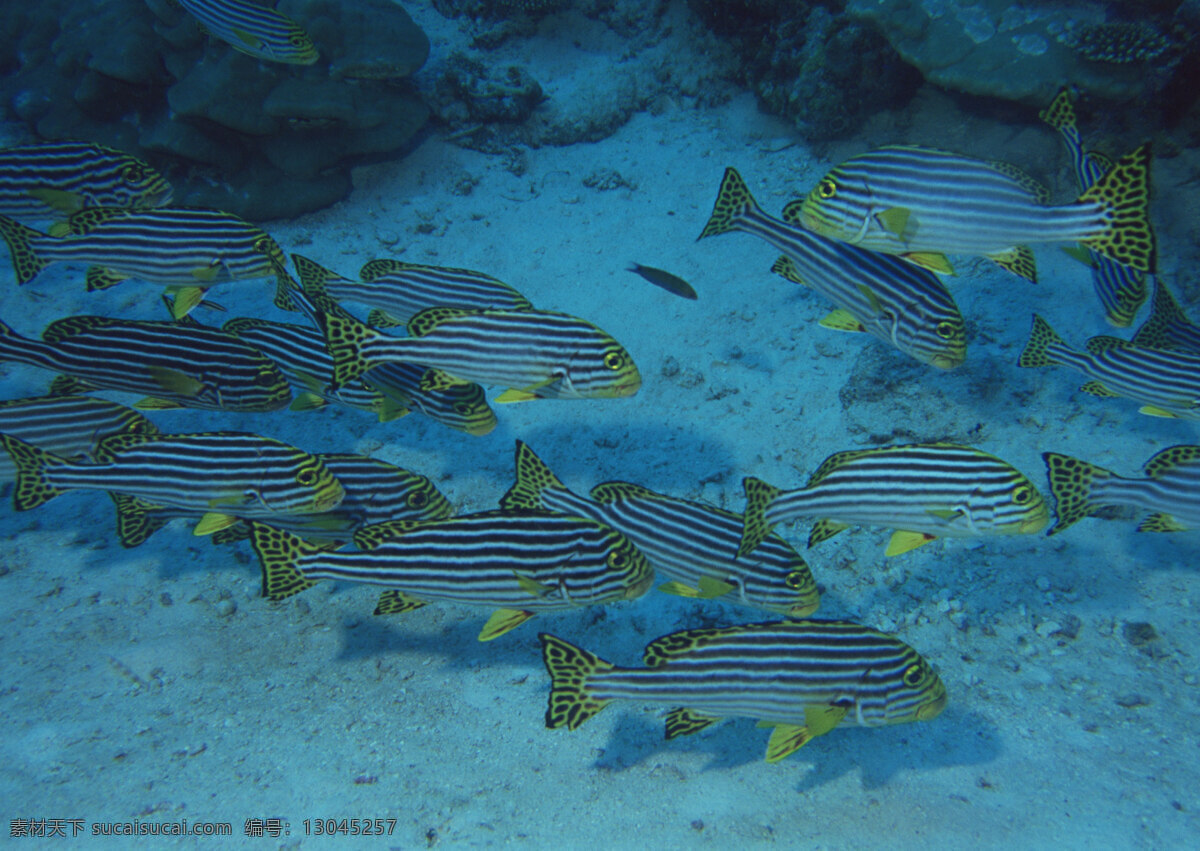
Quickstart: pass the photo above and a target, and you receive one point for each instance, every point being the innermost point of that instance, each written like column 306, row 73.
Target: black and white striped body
column 402, row 290
column 1161, row 378
column 190, row 366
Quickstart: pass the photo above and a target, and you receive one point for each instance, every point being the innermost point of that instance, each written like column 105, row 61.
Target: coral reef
column 262, row 140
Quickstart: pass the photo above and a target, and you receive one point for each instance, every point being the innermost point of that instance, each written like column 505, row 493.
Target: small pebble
column 226, row 607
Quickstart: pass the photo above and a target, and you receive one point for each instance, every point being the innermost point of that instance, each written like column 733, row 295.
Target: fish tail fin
column 344, row 339
column 279, row 553
column 1124, row 194
column 1041, row 338
column 733, row 202
column 1060, row 114
column 754, row 524
column 1071, row 483
column 571, row 702
column 33, row 487
column 533, row 479
column 26, row 262
column 1165, row 314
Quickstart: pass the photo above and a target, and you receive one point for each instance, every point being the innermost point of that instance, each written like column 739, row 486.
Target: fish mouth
column 626, row 388
column 948, row 360
column 1036, row 522
column 933, row 708
column 802, row 610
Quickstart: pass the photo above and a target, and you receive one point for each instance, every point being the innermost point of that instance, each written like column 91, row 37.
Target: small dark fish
column 671, row 283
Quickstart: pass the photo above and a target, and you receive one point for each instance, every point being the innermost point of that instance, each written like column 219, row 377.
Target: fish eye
column 826, row 189
column 418, row 499
column 913, row 675
column 298, row 40
column 614, row 360
column 263, row 244
column 133, row 173
column 306, row 476
column 263, row 378
column 795, row 580
column 1022, row 494
column 617, row 560
column 945, row 330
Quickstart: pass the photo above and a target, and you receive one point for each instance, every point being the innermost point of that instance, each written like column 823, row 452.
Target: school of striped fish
column 872, row 238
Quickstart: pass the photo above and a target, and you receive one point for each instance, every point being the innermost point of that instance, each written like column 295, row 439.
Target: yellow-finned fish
column 255, row 30
column 923, row 203
column 802, row 678
column 925, row 491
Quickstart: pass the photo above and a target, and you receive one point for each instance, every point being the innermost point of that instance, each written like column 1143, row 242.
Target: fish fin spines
column 686, row 722
column 571, row 701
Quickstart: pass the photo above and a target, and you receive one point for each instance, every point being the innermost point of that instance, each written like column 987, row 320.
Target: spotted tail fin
column 571, row 703
column 33, row 487
column 1041, row 338
column 733, row 202
column 279, row 554
column 533, row 479
column 27, row 265
column 1071, row 483
column 1124, row 194
column 755, row 526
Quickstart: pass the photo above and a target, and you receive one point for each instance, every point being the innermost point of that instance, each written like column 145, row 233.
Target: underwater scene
column 551, row 423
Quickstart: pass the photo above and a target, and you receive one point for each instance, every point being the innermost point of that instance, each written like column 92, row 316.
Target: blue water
column 155, row 685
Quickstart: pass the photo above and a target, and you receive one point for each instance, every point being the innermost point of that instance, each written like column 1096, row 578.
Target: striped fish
column 221, row 475
column 66, row 425
column 1167, row 327
column 802, row 678
column 692, row 544
column 178, row 366
column 879, row 294
column 1121, row 290
column 375, row 492
column 1166, row 381
column 536, row 354
column 397, row 291
column 255, row 30
column 925, row 491
column 188, row 250
column 923, row 203
column 389, row 391
column 520, row 563
column 1170, row 490
column 54, row 178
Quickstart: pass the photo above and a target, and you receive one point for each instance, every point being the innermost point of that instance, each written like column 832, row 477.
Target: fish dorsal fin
column 685, row 722
column 842, row 320
column 1060, row 114
column 71, row 326
column 785, row 268
column 533, row 478
column 837, row 460
column 1160, row 522
column 370, row 537
column 903, row 541
column 792, row 211
column 1105, row 343
column 897, row 221
column 662, row 650
column 393, row 602
column 108, row 448
column 239, row 324
column 382, row 319
column 1170, row 458
column 1034, row 187
column 86, row 220
column 99, row 278
column 431, row 317
column 608, row 492
column 502, row 621
column 1018, row 260
column 436, row 380
column 1095, row 388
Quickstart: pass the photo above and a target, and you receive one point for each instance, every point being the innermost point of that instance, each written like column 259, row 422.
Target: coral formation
column 262, row 140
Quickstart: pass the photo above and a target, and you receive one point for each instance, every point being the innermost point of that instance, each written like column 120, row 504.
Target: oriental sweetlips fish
column 924, row 491
column 254, row 29
column 801, row 678
column 923, row 203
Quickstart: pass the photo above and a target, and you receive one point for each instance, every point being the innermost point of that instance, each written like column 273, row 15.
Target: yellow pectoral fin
column 903, row 542
column 931, row 261
column 895, row 220
column 513, row 395
column 1081, row 253
column 711, row 588
column 1155, row 411
column 247, row 38
column 153, row 403
column 307, row 402
column 213, row 522
column 185, row 299
column 61, row 200
column 207, row 273
column 679, row 589
column 786, row 740
column 944, row 513
column 532, row 586
column 390, row 409
column 175, row 381
column 841, row 320
column 821, row 719
column 501, row 621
